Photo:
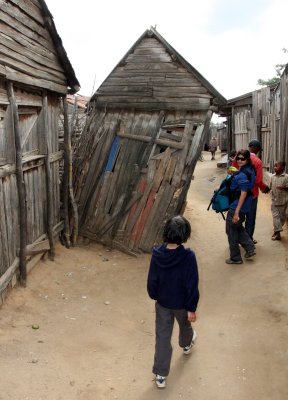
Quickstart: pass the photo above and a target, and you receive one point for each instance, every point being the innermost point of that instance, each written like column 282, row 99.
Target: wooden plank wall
column 31, row 128
column 27, row 53
column 283, row 129
column 268, row 122
column 243, row 127
column 131, row 175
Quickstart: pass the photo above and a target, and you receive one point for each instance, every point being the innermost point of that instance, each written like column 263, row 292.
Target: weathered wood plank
column 49, row 182
column 32, row 58
column 125, row 90
column 18, row 76
column 36, row 247
column 136, row 212
column 149, row 51
column 120, row 77
column 156, row 216
column 29, row 8
column 20, row 184
column 3, row 230
column 37, row 202
column 10, row 144
column 24, row 65
column 142, row 220
column 182, row 157
column 104, row 228
column 28, row 24
column 111, row 104
column 170, row 136
column 160, row 171
column 7, row 187
column 29, row 44
column 22, row 99
column 7, row 276
column 176, row 91
column 24, row 30
column 149, row 58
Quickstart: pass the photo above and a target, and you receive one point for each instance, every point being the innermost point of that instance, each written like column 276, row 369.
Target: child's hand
column 191, row 316
column 266, row 190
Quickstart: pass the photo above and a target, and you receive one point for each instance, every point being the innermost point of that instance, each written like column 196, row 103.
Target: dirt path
column 96, row 324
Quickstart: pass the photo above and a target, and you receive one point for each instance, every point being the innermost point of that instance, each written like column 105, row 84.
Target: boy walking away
column 173, row 283
column 279, row 191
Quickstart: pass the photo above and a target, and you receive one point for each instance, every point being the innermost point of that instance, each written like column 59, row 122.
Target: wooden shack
column 34, row 73
column 139, row 148
column 261, row 114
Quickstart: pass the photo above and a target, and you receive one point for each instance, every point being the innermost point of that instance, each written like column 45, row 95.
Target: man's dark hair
column 177, row 230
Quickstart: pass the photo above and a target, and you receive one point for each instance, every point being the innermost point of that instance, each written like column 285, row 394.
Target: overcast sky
column 232, row 43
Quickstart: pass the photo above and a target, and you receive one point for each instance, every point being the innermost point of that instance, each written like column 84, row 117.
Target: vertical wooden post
column 68, row 169
column 20, row 185
column 49, row 185
column 65, row 180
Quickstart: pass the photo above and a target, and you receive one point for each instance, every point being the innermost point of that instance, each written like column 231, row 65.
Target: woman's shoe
column 229, row 261
column 251, row 254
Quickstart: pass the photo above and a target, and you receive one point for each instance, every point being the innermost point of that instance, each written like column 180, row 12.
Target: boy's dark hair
column 177, row 230
column 281, row 163
column 233, row 153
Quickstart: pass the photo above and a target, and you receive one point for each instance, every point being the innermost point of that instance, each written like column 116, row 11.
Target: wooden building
column 35, row 73
column 261, row 115
column 139, row 148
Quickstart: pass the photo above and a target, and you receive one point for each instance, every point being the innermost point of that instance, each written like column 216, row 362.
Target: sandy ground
column 96, row 323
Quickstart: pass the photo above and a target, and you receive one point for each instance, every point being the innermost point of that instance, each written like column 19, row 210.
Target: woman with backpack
column 241, row 198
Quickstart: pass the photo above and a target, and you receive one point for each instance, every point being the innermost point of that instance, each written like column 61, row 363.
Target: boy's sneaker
column 160, row 381
column 187, row 349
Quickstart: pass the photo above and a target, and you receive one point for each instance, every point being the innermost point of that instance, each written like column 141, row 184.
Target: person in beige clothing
column 279, row 205
column 213, row 147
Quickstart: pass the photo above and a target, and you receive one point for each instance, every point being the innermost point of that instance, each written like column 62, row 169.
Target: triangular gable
column 152, row 74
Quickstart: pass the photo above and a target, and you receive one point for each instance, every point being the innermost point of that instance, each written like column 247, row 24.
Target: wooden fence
column 262, row 115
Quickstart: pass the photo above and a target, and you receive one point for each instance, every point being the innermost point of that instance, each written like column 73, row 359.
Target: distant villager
column 213, row 147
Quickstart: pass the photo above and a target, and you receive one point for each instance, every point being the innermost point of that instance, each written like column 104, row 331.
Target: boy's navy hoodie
column 173, row 278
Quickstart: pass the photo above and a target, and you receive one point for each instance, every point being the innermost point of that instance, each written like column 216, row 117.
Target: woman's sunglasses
column 241, row 158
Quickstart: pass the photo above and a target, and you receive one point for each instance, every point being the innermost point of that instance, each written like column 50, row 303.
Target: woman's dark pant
column 164, row 327
column 237, row 235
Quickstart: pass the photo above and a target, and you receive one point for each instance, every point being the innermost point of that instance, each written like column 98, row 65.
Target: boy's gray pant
column 164, row 327
column 279, row 216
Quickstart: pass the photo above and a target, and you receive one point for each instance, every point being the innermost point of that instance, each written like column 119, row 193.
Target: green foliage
column 269, row 82
column 276, row 79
